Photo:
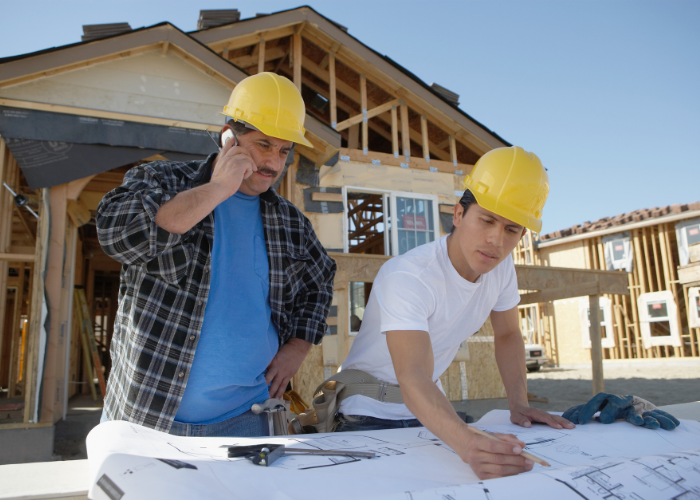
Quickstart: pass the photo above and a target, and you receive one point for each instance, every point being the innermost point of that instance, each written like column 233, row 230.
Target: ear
column 524, row 231
column 458, row 215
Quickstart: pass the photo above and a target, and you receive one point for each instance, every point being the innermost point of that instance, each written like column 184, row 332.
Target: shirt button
column 181, row 374
column 191, row 337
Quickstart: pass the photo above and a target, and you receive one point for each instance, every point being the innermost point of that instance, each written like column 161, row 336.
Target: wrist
column 220, row 192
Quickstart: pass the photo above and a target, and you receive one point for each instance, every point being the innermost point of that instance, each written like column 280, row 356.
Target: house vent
column 95, row 31
column 447, row 94
column 213, row 18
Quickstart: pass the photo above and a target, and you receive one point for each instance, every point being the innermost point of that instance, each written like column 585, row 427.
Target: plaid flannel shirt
column 165, row 281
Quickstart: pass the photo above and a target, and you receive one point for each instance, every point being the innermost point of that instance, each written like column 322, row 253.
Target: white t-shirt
column 421, row 290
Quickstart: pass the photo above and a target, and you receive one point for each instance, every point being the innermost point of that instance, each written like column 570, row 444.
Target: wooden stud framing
column 367, row 114
column 333, row 98
column 394, row 131
column 297, row 57
column 405, row 137
column 453, row 149
column 363, row 105
column 261, row 55
column 424, row 137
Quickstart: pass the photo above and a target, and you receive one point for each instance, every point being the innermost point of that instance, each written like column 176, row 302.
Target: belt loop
column 382, row 391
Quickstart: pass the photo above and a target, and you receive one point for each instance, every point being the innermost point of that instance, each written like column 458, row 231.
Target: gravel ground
column 662, row 383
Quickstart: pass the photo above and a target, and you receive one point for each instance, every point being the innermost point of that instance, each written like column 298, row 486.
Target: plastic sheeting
column 687, row 233
column 55, row 148
column 607, row 340
column 618, row 252
column 658, row 318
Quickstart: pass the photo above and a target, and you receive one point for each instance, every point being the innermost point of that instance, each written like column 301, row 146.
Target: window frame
column 608, row 341
column 391, row 240
column 693, row 313
column 643, row 302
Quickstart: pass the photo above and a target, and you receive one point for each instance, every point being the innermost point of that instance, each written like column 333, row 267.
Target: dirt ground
column 662, row 383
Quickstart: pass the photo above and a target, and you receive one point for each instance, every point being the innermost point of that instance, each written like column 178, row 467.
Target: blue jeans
column 347, row 423
column 244, row 425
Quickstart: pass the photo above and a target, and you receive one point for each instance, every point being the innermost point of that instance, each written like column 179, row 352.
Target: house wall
column 149, row 84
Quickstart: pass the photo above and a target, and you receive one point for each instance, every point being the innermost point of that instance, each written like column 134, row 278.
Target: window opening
column 359, row 296
column 367, row 223
column 658, row 319
column 687, row 233
column 607, row 333
column 694, row 307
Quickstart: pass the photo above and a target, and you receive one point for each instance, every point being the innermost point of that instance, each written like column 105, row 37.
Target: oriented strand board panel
column 483, row 378
column 328, row 228
column 568, row 331
column 350, row 173
column 148, row 84
column 567, row 255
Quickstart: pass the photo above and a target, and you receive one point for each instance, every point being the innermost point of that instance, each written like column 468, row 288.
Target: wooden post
column 6, row 212
column 261, row 55
column 453, row 150
column 394, row 131
column 405, row 137
column 296, row 49
column 353, row 137
column 35, row 318
column 596, row 348
column 334, row 102
column 424, row 136
column 341, row 287
column 365, row 124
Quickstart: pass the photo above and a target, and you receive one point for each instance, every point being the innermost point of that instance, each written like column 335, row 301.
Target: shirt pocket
column 172, row 265
column 296, row 261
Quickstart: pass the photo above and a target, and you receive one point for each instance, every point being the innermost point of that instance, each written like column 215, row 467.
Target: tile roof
column 618, row 220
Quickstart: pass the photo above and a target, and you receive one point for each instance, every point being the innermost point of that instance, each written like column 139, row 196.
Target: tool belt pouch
column 333, row 391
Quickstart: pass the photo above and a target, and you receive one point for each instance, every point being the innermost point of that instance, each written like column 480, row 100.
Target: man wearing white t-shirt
column 425, row 303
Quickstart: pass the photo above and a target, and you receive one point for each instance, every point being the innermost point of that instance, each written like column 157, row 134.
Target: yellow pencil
column 523, row 453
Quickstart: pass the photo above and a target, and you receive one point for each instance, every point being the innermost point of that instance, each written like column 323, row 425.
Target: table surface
column 69, row 480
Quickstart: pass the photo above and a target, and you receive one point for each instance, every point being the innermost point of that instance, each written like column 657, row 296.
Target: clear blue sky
column 607, row 93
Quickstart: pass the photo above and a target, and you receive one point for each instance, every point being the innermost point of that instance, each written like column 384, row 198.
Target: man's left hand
column 524, row 416
column 285, row 364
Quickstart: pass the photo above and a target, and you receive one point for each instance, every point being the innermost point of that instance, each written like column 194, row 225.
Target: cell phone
column 226, row 136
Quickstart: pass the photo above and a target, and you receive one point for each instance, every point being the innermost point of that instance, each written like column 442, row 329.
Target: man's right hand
column 490, row 459
column 232, row 165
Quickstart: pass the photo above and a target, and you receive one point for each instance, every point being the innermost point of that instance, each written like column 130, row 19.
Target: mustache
column 268, row 171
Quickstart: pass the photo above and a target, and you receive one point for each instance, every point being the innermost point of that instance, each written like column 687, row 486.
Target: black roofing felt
column 339, row 26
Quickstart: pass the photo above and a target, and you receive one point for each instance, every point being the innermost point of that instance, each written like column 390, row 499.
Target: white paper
column 126, row 459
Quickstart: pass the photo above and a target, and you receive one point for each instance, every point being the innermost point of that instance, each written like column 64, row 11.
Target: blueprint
column 593, row 461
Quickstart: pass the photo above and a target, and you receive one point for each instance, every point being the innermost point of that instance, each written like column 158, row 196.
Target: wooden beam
column 596, row 347
column 415, row 162
column 333, row 98
column 546, row 277
column 76, row 187
column 394, row 132
column 327, row 197
column 261, row 55
column 25, row 223
column 405, row 136
column 447, row 209
column 363, row 105
column 110, row 115
column 376, row 111
column 296, row 66
column 250, row 61
column 166, row 44
column 453, row 150
column 424, row 136
column 579, row 290
column 251, row 39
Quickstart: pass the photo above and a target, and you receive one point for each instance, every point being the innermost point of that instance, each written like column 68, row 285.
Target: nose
column 495, row 236
column 272, row 160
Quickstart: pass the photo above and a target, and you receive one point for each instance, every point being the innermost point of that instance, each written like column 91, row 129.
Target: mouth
column 487, row 256
column 265, row 173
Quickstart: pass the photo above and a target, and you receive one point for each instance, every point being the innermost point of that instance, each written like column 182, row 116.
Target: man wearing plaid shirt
column 224, row 284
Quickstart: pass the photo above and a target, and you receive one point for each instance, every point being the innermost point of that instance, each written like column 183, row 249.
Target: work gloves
column 634, row 409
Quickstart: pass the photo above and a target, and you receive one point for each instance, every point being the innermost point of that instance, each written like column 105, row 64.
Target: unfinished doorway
column 368, row 220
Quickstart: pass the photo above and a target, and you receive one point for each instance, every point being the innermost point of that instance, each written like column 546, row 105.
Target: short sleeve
column 509, row 297
column 405, row 303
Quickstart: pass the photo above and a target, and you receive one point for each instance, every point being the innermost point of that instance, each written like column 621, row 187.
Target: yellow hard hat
column 270, row 103
column 512, row 183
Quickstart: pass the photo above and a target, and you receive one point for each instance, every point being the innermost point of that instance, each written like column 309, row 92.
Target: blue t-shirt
column 238, row 339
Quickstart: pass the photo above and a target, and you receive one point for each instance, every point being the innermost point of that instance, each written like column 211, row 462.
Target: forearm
column 510, row 357
column 187, row 208
column 431, row 407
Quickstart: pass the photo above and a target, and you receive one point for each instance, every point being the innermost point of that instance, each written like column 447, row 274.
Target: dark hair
column 239, row 128
column 466, row 201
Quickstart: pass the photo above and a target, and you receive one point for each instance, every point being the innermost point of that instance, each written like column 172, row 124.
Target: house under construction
column 385, row 170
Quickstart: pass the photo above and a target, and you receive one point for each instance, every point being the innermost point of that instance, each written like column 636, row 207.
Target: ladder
column 87, row 335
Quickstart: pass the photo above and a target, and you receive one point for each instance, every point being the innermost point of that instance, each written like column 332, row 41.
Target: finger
column 633, row 417
column 271, row 372
column 569, row 414
column 562, row 421
column 506, row 445
column 497, row 470
column 668, row 416
column 520, row 419
column 589, row 409
column 650, row 422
